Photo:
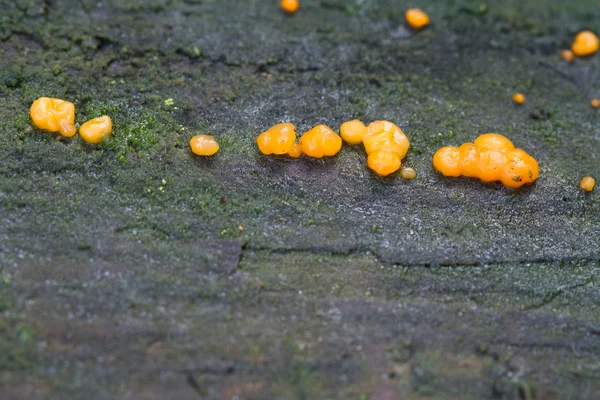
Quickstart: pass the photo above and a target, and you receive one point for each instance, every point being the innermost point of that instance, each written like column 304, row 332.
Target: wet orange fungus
column 492, row 157
column 519, row 98
column 567, row 55
column 587, row 183
column 96, row 130
column 417, row 19
column 353, row 131
column 586, row 43
column 279, row 139
column 595, row 103
column 320, row 142
column 204, row 145
column 54, row 115
column 386, row 145
column 290, row 6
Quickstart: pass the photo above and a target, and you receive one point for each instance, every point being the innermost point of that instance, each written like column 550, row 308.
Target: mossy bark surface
column 136, row 270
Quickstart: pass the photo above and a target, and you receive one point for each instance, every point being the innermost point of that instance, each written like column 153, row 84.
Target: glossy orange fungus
column 290, row 6
column 54, row 115
column 320, row 142
column 96, row 130
column 279, row 139
column 417, row 19
column 519, row 98
column 492, row 157
column 204, row 145
column 587, row 183
column 353, row 131
column 386, row 146
column 586, row 43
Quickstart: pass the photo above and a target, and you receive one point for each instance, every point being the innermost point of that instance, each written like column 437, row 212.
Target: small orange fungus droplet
column 279, row 139
column 96, row 130
column 290, row 6
column 204, row 145
column 587, row 183
column 408, row 173
column 586, row 43
column 595, row 103
column 353, row 131
column 417, row 19
column 567, row 55
column 519, row 98
column 296, row 151
column 320, row 141
column 54, row 115
column 492, row 157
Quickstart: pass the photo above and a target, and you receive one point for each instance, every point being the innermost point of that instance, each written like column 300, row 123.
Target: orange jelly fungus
column 567, row 55
column 96, row 130
column 320, row 141
column 353, row 131
column 296, row 151
column 519, row 98
column 587, row 183
column 290, row 6
column 595, row 103
column 492, row 157
column 54, row 115
column 386, row 146
column 279, row 139
column 408, row 173
column 204, row 145
column 417, row 19
column 586, row 43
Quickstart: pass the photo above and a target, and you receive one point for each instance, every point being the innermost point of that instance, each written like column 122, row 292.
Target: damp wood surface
column 134, row 269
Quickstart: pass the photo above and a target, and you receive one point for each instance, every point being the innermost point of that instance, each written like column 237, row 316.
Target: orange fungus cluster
column 386, row 146
column 492, row 157
column 54, row 115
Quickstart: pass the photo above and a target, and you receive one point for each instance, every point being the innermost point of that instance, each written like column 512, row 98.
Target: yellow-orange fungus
column 586, row 43
column 54, row 115
column 320, row 141
column 384, row 134
column 296, row 151
column 290, row 6
column 447, row 161
column 489, row 141
column 492, row 157
column 519, row 98
column 384, row 162
column 204, row 145
column 384, row 137
column 567, row 55
column 353, row 131
column 595, row 103
column 279, row 139
column 417, row 19
column 408, row 173
column 587, row 183
column 96, row 130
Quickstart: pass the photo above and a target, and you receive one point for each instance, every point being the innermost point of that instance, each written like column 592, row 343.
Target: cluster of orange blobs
column 492, row 157
column 58, row 116
column 321, row 141
column 385, row 143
